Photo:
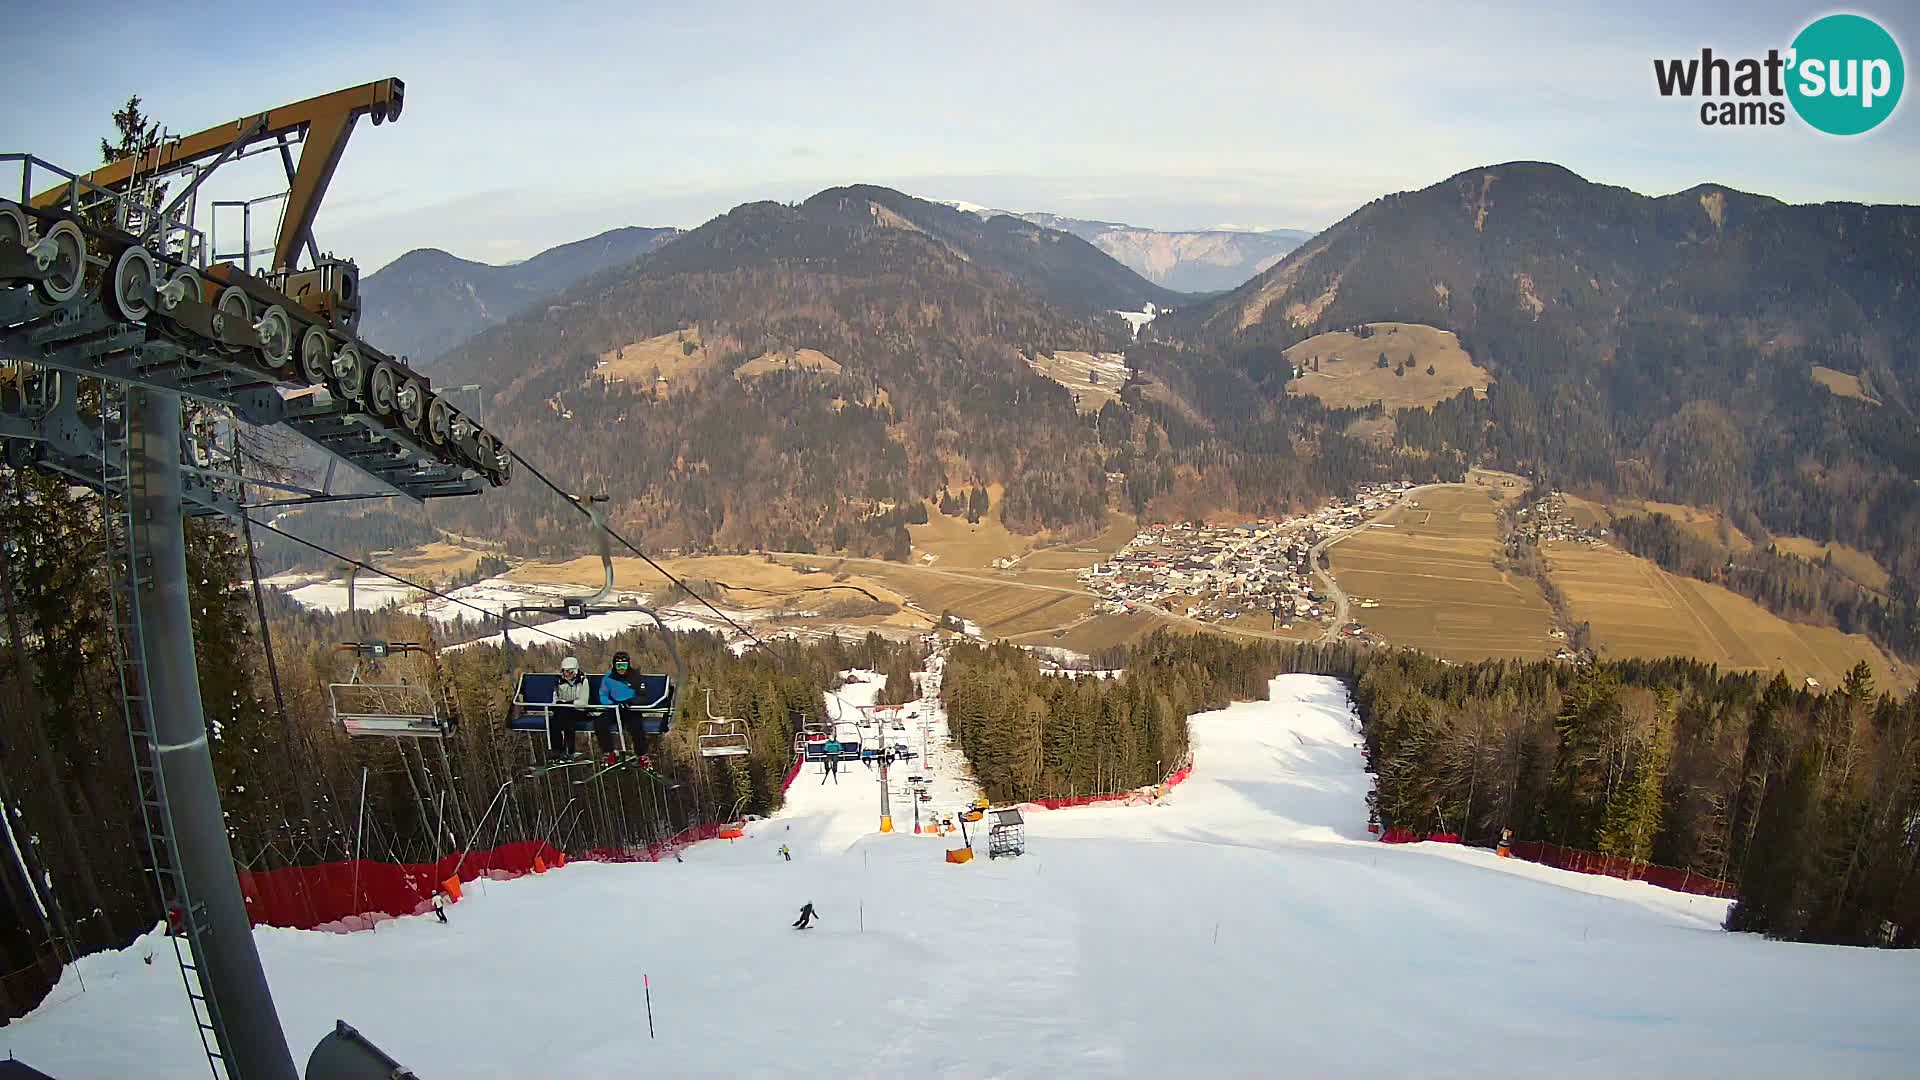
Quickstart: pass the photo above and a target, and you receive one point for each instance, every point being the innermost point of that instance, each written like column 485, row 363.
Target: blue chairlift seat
column 653, row 702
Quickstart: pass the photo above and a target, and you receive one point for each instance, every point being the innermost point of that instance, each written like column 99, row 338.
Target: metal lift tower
column 108, row 280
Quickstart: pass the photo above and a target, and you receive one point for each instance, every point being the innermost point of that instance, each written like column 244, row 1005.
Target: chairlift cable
column 575, row 502
column 429, row 590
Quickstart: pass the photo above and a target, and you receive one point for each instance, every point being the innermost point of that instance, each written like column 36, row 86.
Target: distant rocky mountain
column 1190, row 261
column 1062, row 267
column 427, row 301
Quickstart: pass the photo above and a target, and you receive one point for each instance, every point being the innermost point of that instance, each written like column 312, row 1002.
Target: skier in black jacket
column 806, row 917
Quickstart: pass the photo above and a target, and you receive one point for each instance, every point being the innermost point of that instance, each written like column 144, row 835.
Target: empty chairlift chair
column 721, row 736
column 369, row 703
column 847, row 734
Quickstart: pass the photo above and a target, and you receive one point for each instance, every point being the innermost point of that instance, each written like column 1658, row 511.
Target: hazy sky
column 531, row 124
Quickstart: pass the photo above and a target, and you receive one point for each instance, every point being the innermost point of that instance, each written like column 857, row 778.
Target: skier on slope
column 617, row 690
column 786, row 853
column 807, row 915
column 440, row 905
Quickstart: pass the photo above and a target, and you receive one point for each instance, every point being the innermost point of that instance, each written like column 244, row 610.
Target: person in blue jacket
column 617, row 689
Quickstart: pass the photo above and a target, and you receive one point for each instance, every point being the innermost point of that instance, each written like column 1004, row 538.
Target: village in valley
column 1217, row 573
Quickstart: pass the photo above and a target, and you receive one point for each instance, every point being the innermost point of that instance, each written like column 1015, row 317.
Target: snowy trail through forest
column 1245, row 926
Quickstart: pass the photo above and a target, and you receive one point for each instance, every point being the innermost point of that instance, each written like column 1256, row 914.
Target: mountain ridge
column 429, row 300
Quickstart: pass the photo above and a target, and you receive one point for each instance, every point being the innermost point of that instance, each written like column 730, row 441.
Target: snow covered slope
column 1244, row 927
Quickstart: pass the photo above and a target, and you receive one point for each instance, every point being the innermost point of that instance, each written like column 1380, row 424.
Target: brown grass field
column 1096, row 633
column 1006, row 608
column 1638, row 610
column 437, row 560
column 1850, row 561
column 1095, row 377
column 768, row 363
column 1434, row 577
column 663, row 355
column 958, row 544
column 756, row 584
column 1704, row 522
column 1841, row 384
column 1080, row 554
column 1350, row 375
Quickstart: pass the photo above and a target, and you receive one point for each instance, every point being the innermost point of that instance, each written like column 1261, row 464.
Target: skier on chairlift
column 570, row 694
column 617, row 689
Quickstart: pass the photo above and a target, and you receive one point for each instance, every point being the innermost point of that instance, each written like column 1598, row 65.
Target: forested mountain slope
column 800, row 377
column 1641, row 346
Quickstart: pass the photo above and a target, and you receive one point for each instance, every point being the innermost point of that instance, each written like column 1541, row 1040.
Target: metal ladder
column 186, row 917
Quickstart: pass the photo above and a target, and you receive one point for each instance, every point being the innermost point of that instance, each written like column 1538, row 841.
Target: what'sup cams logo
column 1843, row 75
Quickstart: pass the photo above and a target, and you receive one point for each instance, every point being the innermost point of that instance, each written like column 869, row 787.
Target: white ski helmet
column 571, row 663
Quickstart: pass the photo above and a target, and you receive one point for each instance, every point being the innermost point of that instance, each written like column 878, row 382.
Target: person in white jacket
column 570, row 695
column 440, row 905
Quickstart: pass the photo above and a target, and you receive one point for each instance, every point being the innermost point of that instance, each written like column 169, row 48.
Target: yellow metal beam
column 327, row 120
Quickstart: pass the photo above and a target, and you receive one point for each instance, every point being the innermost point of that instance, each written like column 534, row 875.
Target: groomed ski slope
column 1245, row 927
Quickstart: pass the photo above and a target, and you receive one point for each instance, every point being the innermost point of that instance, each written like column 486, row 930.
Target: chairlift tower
column 99, row 280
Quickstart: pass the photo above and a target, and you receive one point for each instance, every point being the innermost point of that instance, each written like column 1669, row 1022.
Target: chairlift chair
column 811, row 743
column 367, row 705
column 657, row 694
column 722, row 736
column 847, row 734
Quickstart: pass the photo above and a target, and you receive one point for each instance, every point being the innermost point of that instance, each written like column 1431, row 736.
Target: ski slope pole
column 359, row 830
column 646, row 982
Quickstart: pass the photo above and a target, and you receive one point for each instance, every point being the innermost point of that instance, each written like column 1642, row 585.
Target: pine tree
column 1633, row 816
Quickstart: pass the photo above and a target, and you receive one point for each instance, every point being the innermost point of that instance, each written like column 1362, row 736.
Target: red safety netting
column 357, row 893
column 354, row 895
column 1588, row 862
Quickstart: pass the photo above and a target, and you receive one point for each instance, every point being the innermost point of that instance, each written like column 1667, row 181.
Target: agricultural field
column 1430, row 568
column 745, row 582
column 1850, row 561
column 955, row 542
column 1002, row 608
column 1351, row 377
column 1094, row 378
column 1093, row 634
column 1706, row 523
column 804, row 359
column 1080, row 554
column 1841, row 384
column 1638, row 610
column 434, row 562
column 678, row 355
column 1504, row 484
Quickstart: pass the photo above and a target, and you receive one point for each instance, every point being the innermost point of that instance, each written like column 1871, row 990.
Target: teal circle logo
column 1846, row 75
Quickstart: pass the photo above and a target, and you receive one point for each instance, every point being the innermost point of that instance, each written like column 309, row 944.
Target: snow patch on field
column 1244, row 926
